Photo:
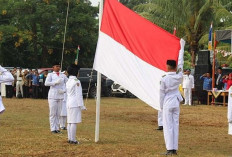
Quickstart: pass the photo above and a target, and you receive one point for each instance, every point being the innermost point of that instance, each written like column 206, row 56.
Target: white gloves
column 58, row 81
column 83, row 108
column 60, row 91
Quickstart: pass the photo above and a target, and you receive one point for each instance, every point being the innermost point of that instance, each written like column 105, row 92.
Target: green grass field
column 127, row 128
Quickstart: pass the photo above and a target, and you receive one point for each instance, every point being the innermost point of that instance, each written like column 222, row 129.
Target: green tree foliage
column 187, row 60
column 31, row 32
column 191, row 18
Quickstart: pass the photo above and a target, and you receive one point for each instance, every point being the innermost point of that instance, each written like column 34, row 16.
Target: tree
column 34, row 32
column 191, row 18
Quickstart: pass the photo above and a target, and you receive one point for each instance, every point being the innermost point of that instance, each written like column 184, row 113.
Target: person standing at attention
column 56, row 81
column 188, row 85
column 170, row 99
column 19, row 83
column 74, row 104
column 207, row 85
column 63, row 114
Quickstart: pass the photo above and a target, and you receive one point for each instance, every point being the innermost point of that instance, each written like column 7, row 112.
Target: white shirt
column 5, row 76
column 169, row 88
column 188, row 81
column 51, row 80
column 218, row 78
column 74, row 92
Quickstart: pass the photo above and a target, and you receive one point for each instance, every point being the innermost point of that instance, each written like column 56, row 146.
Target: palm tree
column 191, row 18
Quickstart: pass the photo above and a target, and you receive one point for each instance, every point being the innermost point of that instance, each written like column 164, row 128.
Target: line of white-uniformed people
column 28, row 83
column 65, row 99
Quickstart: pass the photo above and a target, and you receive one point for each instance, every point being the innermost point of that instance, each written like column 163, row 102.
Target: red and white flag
column 133, row 51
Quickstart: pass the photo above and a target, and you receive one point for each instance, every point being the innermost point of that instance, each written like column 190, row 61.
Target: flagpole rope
column 87, row 95
column 65, row 29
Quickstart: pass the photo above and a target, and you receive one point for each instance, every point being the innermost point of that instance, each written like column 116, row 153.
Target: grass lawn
column 127, row 128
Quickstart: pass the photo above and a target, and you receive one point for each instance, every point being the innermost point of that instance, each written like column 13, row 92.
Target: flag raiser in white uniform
column 56, row 81
column 5, row 76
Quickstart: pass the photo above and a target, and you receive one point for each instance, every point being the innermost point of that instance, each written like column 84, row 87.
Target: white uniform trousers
column 19, row 86
column 230, row 129
column 171, row 127
column 3, row 89
column 55, row 106
column 160, row 118
column 2, row 108
column 188, row 96
column 63, row 115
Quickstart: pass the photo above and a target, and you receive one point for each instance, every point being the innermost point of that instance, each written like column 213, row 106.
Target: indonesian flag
column 133, row 51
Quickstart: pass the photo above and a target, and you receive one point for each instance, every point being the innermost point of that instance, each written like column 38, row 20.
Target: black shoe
column 174, row 152
column 58, row 131
column 160, row 128
column 169, row 152
column 63, row 128
column 74, row 142
column 54, row 132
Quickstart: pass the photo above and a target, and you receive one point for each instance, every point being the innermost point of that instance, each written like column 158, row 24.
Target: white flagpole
column 98, row 84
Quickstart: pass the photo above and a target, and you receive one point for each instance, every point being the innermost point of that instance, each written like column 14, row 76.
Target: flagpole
column 98, row 84
column 213, row 68
column 65, row 29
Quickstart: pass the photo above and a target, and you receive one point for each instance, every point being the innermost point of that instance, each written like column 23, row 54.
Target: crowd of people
column 64, row 96
column 222, row 82
column 27, row 84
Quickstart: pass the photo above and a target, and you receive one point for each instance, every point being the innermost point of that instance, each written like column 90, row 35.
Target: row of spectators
column 27, row 84
column 222, row 82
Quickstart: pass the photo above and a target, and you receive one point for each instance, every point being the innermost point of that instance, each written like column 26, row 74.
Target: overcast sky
column 94, row 2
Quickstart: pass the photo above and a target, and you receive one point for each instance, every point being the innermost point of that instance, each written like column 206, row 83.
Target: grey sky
column 94, row 2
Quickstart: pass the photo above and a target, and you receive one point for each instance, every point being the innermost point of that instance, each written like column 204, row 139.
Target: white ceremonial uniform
column 229, row 115
column 5, row 76
column 63, row 114
column 170, row 99
column 3, row 89
column 160, row 118
column 55, row 97
column 74, row 106
column 188, row 85
column 74, row 100
column 19, row 83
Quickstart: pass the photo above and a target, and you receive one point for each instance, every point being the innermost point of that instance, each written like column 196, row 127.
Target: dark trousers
column 25, row 91
column 9, row 91
column 35, row 91
column 45, row 90
column 204, row 96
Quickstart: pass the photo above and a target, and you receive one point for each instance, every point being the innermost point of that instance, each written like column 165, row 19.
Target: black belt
column 19, row 80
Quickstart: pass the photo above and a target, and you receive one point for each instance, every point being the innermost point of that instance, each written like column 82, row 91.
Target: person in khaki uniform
column 19, row 83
